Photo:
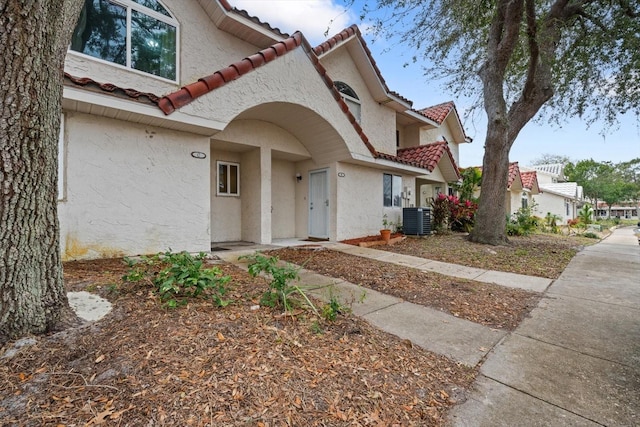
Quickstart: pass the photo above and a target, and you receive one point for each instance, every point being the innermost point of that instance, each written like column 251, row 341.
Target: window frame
column 228, row 165
column 350, row 97
column 396, row 196
column 131, row 5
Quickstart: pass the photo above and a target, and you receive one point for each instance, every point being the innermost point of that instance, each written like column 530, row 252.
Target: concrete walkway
column 459, row 339
column 576, row 360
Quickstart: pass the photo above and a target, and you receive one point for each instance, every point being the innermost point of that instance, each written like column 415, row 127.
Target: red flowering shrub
column 449, row 212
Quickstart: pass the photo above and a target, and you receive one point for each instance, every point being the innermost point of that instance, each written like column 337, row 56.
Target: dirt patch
column 484, row 303
column 202, row 366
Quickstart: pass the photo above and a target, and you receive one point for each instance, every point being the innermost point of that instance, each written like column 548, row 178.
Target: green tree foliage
column 471, row 178
column 549, row 159
column 575, row 57
column 605, row 181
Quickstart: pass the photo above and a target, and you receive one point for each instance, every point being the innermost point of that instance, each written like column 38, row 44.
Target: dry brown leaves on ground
column 484, row 303
column 542, row 255
column 204, row 366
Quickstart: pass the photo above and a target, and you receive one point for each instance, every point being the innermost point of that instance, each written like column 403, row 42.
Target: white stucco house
column 520, row 189
column 187, row 122
column 557, row 196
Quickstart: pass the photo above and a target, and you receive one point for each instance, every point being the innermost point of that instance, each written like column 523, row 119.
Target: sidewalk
column 576, row 360
column 459, row 339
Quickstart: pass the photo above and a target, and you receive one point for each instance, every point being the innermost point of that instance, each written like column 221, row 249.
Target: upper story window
column 350, row 98
column 137, row 34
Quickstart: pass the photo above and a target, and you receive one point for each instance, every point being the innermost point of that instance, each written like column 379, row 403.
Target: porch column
column 256, row 195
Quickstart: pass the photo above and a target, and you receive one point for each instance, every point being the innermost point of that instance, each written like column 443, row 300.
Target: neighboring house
column 626, row 210
column 557, row 196
column 549, row 173
column 445, row 153
column 191, row 122
column 562, row 199
column 520, row 189
column 530, row 187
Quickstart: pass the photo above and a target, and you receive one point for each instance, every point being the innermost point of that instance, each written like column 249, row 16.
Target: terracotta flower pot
column 386, row 235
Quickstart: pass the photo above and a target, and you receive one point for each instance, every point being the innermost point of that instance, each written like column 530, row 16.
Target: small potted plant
column 386, row 231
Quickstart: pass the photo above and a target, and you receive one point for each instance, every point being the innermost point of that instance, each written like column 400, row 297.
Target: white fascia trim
column 556, row 193
column 255, row 27
column 108, row 101
column 421, row 118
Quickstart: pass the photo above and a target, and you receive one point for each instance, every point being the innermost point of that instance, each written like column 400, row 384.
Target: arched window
column 137, row 34
column 350, row 98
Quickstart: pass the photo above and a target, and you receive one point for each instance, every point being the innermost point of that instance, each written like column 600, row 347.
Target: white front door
column 319, row 204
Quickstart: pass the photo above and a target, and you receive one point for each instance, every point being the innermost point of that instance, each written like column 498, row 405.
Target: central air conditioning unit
column 416, row 221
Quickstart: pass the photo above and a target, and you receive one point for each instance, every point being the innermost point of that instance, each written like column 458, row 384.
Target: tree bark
column 504, row 125
column 33, row 40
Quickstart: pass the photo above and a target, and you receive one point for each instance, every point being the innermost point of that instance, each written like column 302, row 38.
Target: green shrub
column 590, row 235
column 180, row 276
column 280, row 290
column 333, row 308
column 551, row 223
column 522, row 223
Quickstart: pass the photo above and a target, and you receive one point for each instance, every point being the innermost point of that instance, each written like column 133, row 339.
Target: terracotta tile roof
column 345, row 35
column 227, row 6
column 529, row 180
column 514, row 172
column 423, row 156
column 90, row 84
column 173, row 101
column 439, row 112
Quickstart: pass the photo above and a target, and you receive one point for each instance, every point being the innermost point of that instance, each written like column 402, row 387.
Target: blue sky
column 573, row 139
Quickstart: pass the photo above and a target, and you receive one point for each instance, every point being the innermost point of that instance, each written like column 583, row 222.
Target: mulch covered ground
column 198, row 365
column 484, row 303
column 542, row 255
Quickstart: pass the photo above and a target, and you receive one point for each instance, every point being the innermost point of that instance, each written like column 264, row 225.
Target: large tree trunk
column 504, row 125
column 33, row 40
column 490, row 221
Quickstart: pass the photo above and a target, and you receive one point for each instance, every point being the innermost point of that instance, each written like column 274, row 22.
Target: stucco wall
column 195, row 31
column 360, row 201
column 132, row 189
column 283, row 199
column 293, row 82
column 377, row 122
column 255, row 172
column 548, row 202
column 514, row 202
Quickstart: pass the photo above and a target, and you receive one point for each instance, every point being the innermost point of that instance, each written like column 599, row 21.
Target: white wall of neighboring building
column 514, row 201
column 132, row 189
column 547, row 202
